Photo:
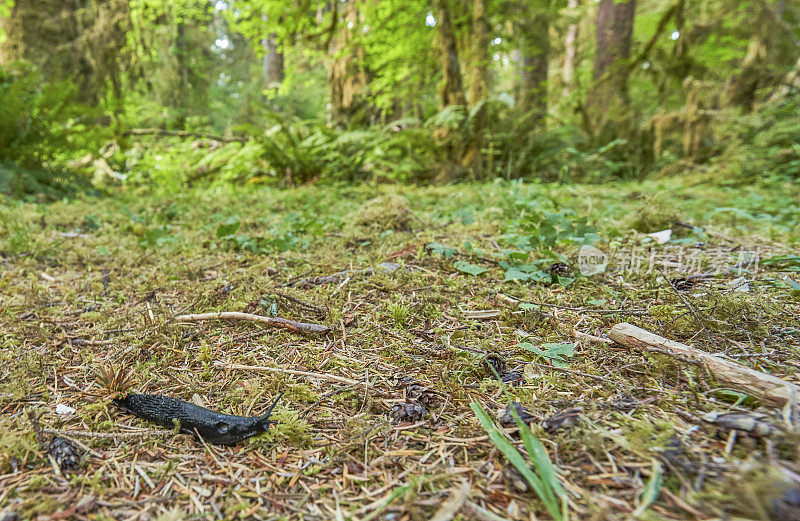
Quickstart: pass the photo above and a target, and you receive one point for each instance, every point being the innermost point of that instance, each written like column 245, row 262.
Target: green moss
column 387, row 212
column 17, row 442
column 290, row 429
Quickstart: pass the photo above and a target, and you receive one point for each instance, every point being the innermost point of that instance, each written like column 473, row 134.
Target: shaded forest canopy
column 178, row 93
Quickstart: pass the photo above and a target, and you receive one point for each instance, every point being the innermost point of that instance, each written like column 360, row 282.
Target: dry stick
column 180, row 133
column 768, row 388
column 291, row 325
column 261, row 368
column 94, row 434
column 513, row 301
column 591, row 338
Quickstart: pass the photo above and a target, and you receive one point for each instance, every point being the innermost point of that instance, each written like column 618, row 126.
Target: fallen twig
column 93, row 434
column 180, row 133
column 297, row 327
column 768, row 388
column 591, row 338
column 261, row 368
column 506, row 299
column 386, row 267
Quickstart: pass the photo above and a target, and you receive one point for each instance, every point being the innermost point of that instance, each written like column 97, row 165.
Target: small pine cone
column 407, row 412
column 559, row 268
column 494, row 361
column 512, row 378
column 683, row 283
column 65, row 453
column 565, row 419
column 428, row 398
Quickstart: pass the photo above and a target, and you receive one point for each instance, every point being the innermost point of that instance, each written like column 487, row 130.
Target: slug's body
column 213, row 427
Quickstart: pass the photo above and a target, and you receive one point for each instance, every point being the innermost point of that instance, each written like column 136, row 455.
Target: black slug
column 213, row 427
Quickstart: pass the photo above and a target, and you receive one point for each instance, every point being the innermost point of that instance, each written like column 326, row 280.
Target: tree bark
column 69, row 39
column 535, row 40
column 272, row 63
column 607, row 100
column 348, row 79
column 570, row 50
column 451, row 89
column 479, row 85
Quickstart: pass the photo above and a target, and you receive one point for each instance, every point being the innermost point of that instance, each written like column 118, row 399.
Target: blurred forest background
column 157, row 94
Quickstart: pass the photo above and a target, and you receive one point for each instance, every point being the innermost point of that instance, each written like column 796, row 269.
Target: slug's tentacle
column 264, row 420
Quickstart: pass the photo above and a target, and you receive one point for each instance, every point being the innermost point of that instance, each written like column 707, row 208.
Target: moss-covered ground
column 93, row 285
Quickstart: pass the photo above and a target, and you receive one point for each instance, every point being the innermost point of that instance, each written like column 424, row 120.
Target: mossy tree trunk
column 741, row 88
column 535, row 51
column 273, row 62
column 70, row 39
column 607, row 99
column 479, row 86
column 349, row 78
column 451, row 89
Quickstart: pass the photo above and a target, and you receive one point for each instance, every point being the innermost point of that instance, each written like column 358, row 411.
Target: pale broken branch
column 291, row 325
column 264, row 369
column 764, row 386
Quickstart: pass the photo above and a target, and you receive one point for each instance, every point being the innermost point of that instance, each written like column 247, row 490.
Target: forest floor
column 376, row 420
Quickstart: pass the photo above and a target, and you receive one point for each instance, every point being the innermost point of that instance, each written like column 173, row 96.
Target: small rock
column 514, row 479
column 507, row 418
column 661, row 237
column 512, row 378
column 788, row 505
column 64, row 410
column 755, row 424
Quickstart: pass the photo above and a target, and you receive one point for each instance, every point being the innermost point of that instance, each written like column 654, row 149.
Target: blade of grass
column 651, row 490
column 515, row 457
column 537, row 453
column 381, row 505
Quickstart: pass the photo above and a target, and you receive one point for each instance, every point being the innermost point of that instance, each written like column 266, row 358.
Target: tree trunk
column 570, row 50
column 607, row 100
column 69, row 39
column 451, row 90
column 535, row 38
column 740, row 89
column 479, row 85
column 348, row 79
column 272, row 63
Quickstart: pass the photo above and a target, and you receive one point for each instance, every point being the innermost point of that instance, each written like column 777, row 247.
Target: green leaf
column 441, row 249
column 731, row 395
column 466, row 267
column 515, row 273
column 555, row 353
column 228, row 228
